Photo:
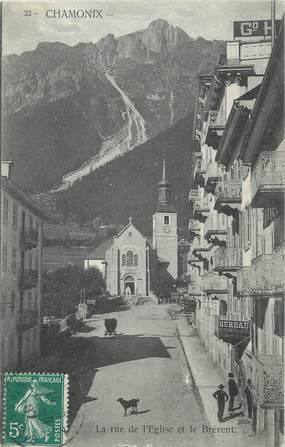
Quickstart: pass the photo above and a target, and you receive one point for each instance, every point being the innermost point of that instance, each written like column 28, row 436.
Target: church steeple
column 164, row 192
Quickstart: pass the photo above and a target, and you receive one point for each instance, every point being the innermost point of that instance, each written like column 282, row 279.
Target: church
column 138, row 265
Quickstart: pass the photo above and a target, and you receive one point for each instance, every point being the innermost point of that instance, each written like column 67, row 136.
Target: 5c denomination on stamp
column 35, row 408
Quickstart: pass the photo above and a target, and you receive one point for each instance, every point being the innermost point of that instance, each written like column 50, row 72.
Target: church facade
column 137, row 265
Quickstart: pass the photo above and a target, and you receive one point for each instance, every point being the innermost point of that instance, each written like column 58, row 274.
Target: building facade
column 137, row 265
column 21, row 260
column 236, row 261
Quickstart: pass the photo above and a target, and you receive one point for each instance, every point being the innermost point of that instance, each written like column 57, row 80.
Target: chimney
column 6, row 168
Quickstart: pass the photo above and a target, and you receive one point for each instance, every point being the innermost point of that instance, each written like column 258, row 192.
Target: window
column 130, row 259
column 14, row 260
column 246, row 228
column 166, row 220
column 2, row 305
column 13, row 301
column 15, row 215
column 4, row 258
column 6, row 211
column 130, row 234
column 29, row 301
column 223, row 308
column 36, row 301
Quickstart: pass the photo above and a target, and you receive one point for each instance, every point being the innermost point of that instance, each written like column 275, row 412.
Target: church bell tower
column 165, row 226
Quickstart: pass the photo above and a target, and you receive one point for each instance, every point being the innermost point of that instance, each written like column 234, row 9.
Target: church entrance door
column 130, row 282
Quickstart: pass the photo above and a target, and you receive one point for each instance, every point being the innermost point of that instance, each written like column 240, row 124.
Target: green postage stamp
column 35, row 409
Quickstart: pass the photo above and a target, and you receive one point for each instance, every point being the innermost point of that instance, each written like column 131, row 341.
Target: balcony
column 267, row 275
column 200, row 210
column 214, row 284
column 199, row 170
column 29, row 238
column 193, row 195
column 231, row 330
column 212, row 176
column 227, row 261
column 243, row 281
column 215, row 128
column 29, row 279
column 215, row 231
column 268, row 180
column 195, row 290
column 203, row 253
column 194, row 262
column 193, row 228
column 27, row 319
column 268, row 380
column 228, row 196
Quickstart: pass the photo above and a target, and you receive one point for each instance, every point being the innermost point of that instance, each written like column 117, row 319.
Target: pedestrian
column 248, row 394
column 221, row 396
column 233, row 391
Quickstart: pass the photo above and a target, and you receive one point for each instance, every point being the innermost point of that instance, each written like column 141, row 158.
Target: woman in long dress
column 29, row 405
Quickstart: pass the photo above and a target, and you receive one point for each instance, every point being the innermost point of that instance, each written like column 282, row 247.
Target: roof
column 8, row 185
column 165, row 208
column 250, row 94
column 100, row 251
column 149, row 241
column 130, row 224
column 270, row 97
column 162, row 261
column 235, row 125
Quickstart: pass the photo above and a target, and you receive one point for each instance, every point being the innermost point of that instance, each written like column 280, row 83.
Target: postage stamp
column 35, row 409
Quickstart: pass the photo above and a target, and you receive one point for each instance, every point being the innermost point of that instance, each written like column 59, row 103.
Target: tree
column 62, row 289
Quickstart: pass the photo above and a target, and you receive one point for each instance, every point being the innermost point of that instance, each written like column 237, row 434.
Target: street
column 144, row 361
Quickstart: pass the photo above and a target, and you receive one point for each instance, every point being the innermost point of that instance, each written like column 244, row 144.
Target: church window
column 130, row 234
column 166, row 220
column 135, row 260
column 123, row 260
column 130, row 259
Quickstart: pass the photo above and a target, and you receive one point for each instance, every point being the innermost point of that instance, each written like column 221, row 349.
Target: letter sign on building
column 232, row 331
column 254, row 28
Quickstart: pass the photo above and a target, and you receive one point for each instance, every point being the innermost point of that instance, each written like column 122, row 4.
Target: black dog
column 133, row 404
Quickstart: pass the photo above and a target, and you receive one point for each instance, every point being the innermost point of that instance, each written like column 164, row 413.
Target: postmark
column 35, row 409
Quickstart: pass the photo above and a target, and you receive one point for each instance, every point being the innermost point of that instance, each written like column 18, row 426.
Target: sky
column 211, row 19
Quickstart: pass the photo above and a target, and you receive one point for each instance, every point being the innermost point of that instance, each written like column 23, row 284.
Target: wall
column 10, row 276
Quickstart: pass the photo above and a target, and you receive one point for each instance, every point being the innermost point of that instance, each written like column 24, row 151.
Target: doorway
column 129, row 282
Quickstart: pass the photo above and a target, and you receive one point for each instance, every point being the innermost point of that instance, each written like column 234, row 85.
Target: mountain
column 127, row 186
column 69, row 110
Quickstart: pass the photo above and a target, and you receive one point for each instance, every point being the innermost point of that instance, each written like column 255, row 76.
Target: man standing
column 247, row 392
column 221, row 396
column 233, row 391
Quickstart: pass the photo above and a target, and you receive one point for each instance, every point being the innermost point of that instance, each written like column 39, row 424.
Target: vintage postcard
column 142, row 223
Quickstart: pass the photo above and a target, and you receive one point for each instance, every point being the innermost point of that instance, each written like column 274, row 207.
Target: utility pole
column 272, row 23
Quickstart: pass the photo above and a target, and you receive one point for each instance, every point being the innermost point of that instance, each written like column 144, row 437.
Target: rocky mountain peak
column 158, row 24
column 161, row 37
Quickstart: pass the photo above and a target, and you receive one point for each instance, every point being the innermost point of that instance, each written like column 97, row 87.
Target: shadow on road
column 143, row 411
column 112, row 309
column 81, row 357
column 86, row 328
column 232, row 416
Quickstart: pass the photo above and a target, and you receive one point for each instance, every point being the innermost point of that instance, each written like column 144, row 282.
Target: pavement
column 145, row 361
column 206, row 377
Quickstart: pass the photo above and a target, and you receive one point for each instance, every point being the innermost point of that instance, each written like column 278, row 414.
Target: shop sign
column 253, row 28
column 232, row 330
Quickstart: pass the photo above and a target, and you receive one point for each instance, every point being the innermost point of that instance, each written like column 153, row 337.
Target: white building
column 21, row 260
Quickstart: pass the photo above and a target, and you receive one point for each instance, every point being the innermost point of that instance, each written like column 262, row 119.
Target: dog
column 133, row 404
